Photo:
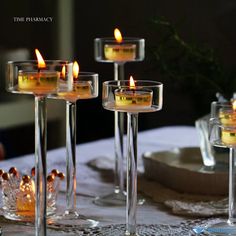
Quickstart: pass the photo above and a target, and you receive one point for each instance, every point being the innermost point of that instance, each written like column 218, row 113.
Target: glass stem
column 131, row 198
column 119, row 72
column 40, row 166
column 70, row 156
column 119, row 137
column 232, row 188
column 119, row 151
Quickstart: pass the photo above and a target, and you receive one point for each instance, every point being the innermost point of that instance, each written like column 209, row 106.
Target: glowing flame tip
column 131, row 83
column 41, row 62
column 63, row 72
column 234, row 105
column 118, row 35
column 75, row 69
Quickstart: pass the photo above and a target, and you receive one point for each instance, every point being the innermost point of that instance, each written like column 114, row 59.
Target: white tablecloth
column 91, row 183
column 152, row 140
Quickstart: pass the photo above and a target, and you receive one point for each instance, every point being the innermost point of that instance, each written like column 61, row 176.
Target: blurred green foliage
column 196, row 68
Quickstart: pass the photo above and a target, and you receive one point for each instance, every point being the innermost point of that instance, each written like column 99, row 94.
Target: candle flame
column 131, row 83
column 118, row 35
column 234, row 105
column 41, row 62
column 63, row 72
column 75, row 69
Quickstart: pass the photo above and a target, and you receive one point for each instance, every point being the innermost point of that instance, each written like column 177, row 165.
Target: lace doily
column 179, row 203
column 183, row 203
column 184, row 229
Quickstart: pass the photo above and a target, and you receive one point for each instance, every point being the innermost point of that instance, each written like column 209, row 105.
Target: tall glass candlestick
column 40, row 164
column 223, row 134
column 118, row 50
column 132, row 97
column 70, row 158
column 85, row 86
column 39, row 79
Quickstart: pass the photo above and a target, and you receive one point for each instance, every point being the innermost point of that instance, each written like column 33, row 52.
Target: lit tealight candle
column 39, row 82
column 25, row 198
column 132, row 98
column 81, row 89
column 120, row 51
column 228, row 120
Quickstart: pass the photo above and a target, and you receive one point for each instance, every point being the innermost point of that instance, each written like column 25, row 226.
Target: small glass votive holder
column 109, row 50
column 215, row 158
column 18, row 194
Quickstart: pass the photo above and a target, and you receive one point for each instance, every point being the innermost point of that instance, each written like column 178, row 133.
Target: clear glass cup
column 108, row 50
column 222, row 133
column 214, row 158
column 25, row 77
column 84, row 87
column 145, row 97
column 18, row 195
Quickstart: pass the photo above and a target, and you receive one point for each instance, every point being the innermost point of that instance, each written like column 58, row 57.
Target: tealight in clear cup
column 18, row 194
column 109, row 50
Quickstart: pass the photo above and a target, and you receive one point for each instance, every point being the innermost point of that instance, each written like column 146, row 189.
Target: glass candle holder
column 39, row 78
column 109, row 50
column 18, row 194
column 128, row 50
column 145, row 96
column 85, row 86
column 222, row 133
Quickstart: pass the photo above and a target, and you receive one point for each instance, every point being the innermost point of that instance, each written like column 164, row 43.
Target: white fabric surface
column 152, row 140
column 91, row 183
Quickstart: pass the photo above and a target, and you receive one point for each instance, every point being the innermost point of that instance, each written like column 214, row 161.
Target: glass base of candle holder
column 218, row 229
column 73, row 218
column 116, row 198
column 16, row 217
column 24, row 216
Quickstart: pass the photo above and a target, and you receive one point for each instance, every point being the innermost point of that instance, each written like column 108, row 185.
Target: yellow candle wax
column 120, row 52
column 38, row 81
column 81, row 90
column 228, row 117
column 133, row 99
column 228, row 137
column 228, row 121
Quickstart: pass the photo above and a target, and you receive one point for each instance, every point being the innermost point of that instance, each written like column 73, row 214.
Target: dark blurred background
column 70, row 35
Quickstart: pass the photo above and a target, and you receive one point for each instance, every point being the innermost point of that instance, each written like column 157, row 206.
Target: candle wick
column 133, row 98
column 38, row 80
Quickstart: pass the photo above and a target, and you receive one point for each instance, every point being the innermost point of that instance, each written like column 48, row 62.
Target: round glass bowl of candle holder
column 146, row 96
column 128, row 50
column 26, row 77
column 18, row 194
column 84, row 87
